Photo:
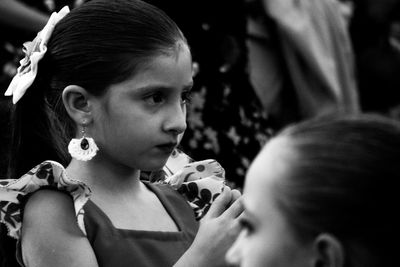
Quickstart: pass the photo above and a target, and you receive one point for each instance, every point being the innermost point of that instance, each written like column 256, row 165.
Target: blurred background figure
column 323, row 192
column 301, row 62
column 375, row 34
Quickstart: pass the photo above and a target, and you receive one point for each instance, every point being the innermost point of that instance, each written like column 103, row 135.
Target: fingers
column 227, row 203
column 221, row 203
column 235, row 195
column 235, row 210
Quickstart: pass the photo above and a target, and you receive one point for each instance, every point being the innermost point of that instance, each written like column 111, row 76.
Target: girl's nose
column 233, row 255
column 176, row 120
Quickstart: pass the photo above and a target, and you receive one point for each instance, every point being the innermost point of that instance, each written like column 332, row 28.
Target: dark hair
column 96, row 45
column 345, row 180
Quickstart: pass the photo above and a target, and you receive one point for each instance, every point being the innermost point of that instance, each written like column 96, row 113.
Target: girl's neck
column 105, row 178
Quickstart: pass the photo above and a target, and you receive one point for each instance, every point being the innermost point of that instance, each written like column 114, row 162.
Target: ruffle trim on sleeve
column 50, row 175
column 199, row 182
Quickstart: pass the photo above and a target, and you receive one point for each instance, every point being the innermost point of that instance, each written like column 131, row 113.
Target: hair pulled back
column 344, row 180
column 96, row 45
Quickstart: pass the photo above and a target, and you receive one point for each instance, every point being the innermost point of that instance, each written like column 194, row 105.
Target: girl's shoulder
column 14, row 193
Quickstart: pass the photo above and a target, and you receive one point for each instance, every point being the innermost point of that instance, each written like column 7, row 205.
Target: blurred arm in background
column 18, row 15
column 301, row 49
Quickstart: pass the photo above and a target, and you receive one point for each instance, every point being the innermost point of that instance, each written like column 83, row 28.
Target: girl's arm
column 50, row 234
column 17, row 14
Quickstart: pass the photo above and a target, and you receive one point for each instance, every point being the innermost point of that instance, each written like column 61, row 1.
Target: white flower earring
column 83, row 148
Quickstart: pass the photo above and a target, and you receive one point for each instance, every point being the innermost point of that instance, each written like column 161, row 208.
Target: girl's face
column 266, row 239
column 139, row 121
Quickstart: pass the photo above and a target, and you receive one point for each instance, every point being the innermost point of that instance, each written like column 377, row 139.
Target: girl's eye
column 186, row 97
column 246, row 226
column 154, row 99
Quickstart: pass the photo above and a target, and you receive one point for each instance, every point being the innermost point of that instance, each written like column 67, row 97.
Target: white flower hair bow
column 34, row 52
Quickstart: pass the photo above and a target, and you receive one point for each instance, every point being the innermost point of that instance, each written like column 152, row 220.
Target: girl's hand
column 218, row 230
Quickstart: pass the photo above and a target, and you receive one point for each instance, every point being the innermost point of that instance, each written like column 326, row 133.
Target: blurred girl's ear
column 76, row 102
column 329, row 251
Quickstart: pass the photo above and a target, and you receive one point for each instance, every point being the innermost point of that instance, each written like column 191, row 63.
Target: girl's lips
column 168, row 148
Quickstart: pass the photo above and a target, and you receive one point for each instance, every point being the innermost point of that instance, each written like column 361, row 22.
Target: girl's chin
column 155, row 165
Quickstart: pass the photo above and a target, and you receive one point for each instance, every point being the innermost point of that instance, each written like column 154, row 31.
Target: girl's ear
column 76, row 102
column 329, row 251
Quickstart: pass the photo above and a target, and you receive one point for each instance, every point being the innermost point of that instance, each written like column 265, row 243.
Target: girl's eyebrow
column 153, row 87
column 248, row 214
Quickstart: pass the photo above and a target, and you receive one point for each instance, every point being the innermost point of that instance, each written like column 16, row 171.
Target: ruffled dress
column 186, row 188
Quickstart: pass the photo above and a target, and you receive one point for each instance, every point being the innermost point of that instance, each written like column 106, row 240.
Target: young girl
column 110, row 80
column 324, row 193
